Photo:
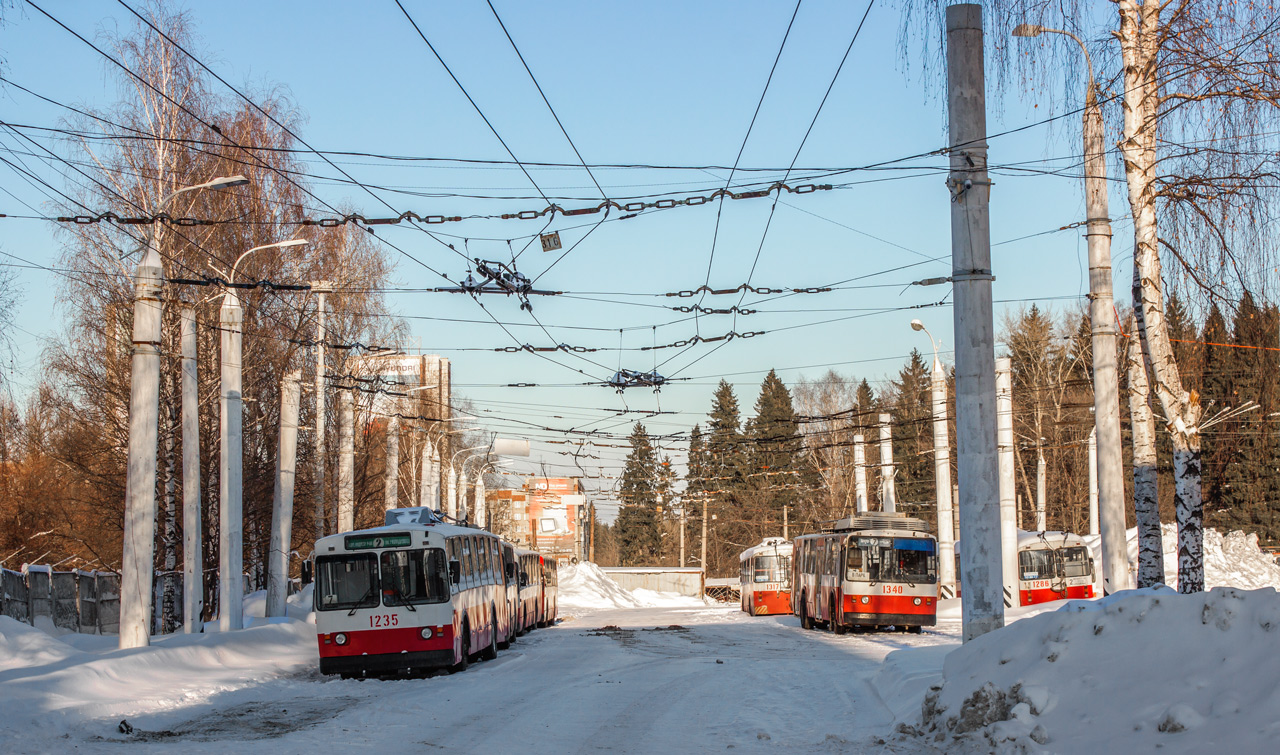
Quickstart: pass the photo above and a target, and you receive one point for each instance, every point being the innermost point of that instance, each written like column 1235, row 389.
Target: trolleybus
column 765, row 577
column 538, row 582
column 871, row 570
column 1051, row 566
column 414, row 595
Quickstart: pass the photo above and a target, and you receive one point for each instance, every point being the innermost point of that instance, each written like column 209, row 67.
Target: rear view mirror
column 511, row 572
column 455, row 572
column 524, row 579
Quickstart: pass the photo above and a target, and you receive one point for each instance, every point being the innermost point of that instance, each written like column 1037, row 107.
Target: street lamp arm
column 1034, row 30
column 280, row 244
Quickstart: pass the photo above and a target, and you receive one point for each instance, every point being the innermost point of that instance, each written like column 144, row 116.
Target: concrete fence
column 658, row 578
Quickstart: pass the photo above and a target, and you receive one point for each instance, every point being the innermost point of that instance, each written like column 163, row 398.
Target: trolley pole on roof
column 982, row 607
column 1093, row 481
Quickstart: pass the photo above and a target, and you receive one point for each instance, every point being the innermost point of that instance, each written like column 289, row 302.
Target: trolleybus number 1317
column 383, row 620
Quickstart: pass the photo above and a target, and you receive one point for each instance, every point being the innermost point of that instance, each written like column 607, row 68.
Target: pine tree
column 1218, row 392
column 696, row 483
column 913, row 438
column 637, row 530
column 778, row 472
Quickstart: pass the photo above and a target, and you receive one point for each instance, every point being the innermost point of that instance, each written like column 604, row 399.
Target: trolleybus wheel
column 837, row 626
column 805, row 621
column 465, row 640
column 915, row 630
column 491, row 652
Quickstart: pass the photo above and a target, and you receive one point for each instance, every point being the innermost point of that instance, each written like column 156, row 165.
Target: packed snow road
column 681, row 678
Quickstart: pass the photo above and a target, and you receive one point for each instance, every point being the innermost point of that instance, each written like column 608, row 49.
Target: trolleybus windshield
column 892, row 559
column 772, row 569
column 1044, row 563
column 413, row 577
column 348, row 581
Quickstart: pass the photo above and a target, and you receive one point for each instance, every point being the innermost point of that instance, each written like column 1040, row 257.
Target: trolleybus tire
column 465, row 640
column 915, row 629
column 837, row 626
column 805, row 621
column 491, row 652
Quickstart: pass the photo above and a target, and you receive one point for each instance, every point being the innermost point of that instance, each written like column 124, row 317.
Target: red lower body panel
column 764, row 603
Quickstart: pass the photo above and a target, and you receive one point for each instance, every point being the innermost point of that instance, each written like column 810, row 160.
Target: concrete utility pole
column 860, row 474
column 1106, row 376
column 428, row 485
column 137, row 562
column 320, row 289
column 704, row 533
column 982, row 608
column 452, row 506
column 192, row 545
column 1093, row 481
column 391, row 476
column 282, row 500
column 888, row 496
column 1008, row 491
column 1042, row 516
column 482, row 510
column 785, row 523
column 346, row 462
column 682, row 519
column 230, row 480
column 941, row 472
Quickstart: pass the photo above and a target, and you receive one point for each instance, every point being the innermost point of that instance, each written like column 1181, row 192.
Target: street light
column 137, row 568
column 453, row 480
column 1106, row 380
column 231, row 461
column 941, row 471
column 391, row 483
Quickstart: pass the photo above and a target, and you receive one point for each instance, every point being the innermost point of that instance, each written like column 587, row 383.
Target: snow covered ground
column 635, row 671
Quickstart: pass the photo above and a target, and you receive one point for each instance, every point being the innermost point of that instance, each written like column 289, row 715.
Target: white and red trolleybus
column 765, row 577
column 415, row 595
column 538, row 582
column 871, row 570
column 1053, row 566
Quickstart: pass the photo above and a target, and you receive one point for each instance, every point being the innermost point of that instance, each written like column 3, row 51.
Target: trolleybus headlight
column 425, row 633
column 340, row 639
column 917, row 601
column 866, row 599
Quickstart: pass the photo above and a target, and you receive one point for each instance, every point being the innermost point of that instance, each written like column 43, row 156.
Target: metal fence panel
column 87, row 592
column 174, row 580
column 108, row 603
column 64, row 600
column 13, row 591
column 39, row 594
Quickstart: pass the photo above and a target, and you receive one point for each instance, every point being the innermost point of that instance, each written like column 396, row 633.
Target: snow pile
column 47, row 685
column 297, row 607
column 1136, row 671
column 1231, row 560
column 22, row 645
column 585, row 586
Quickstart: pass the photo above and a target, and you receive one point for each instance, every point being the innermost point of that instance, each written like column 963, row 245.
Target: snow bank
column 585, row 586
column 22, row 645
column 297, row 606
column 1136, row 671
column 1231, row 560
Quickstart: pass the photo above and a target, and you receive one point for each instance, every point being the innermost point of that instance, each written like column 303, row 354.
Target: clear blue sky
column 665, row 84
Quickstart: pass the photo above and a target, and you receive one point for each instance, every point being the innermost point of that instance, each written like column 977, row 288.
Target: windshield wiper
column 403, row 600
column 360, row 603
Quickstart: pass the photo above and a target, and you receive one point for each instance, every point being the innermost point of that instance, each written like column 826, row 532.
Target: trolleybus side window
column 854, row 568
column 347, row 581
column 411, row 577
